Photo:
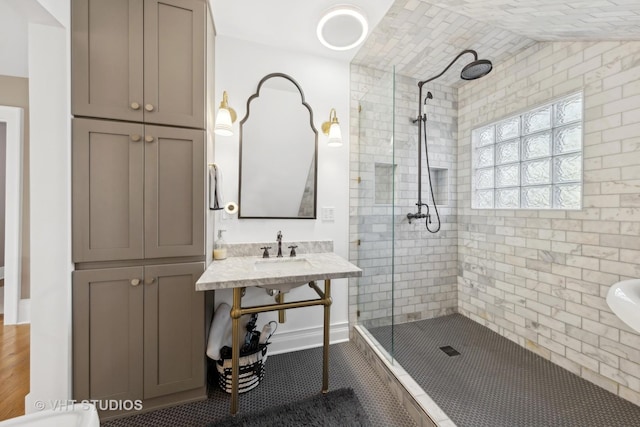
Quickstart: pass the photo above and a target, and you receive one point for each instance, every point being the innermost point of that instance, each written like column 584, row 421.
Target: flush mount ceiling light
column 342, row 28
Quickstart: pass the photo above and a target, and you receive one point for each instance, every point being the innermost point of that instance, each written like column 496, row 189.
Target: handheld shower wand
column 422, row 117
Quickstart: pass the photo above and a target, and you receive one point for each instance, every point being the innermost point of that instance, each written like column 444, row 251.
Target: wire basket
column 251, row 370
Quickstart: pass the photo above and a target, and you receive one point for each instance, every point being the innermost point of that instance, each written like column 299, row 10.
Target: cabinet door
column 107, row 334
column 173, row 329
column 107, row 59
column 174, row 192
column 108, row 180
column 174, row 60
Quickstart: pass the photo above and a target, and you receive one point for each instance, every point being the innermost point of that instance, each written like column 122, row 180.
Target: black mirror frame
column 315, row 131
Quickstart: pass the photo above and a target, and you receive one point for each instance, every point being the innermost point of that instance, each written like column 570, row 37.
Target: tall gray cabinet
column 138, row 100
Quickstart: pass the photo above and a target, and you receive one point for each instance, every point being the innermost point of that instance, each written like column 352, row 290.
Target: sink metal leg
column 236, row 313
column 281, row 313
column 325, row 347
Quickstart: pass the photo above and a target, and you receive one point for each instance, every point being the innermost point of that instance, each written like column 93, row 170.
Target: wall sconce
column 225, row 118
column 332, row 128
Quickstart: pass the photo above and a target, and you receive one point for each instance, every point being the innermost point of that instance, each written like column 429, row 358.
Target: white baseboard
column 289, row 341
column 24, row 311
column 30, row 404
column 1, row 300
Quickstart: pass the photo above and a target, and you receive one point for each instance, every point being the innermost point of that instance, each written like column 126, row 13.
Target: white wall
column 13, row 42
column 50, row 157
column 240, row 66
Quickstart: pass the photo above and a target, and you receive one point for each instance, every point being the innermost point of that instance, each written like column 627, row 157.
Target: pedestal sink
column 240, row 272
column 624, row 300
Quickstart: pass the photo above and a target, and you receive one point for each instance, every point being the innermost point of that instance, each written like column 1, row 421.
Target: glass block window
column 530, row 161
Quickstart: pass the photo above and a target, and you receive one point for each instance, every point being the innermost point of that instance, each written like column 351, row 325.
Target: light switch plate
column 328, row 213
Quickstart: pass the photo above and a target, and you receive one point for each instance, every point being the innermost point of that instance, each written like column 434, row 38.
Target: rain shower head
column 476, row 69
column 473, row 70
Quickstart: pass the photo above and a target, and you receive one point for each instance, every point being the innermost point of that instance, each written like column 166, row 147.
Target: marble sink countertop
column 241, row 271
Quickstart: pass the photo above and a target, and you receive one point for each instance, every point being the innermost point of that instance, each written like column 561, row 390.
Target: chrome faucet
column 279, row 238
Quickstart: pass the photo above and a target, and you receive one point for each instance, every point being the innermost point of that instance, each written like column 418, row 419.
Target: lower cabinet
column 138, row 332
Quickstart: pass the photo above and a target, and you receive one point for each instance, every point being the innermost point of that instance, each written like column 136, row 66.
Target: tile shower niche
column 440, row 177
column 384, row 180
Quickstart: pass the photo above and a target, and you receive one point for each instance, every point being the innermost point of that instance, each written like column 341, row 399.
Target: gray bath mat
column 336, row 408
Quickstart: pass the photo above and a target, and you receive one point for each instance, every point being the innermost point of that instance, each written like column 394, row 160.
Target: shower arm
column 420, row 119
column 475, row 56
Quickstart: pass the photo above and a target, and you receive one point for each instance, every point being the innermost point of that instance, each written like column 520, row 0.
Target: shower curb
column 424, row 411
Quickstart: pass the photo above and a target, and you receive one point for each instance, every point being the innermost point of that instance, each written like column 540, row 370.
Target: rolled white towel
column 220, row 332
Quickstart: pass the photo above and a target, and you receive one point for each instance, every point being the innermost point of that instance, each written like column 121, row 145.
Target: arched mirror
column 278, row 152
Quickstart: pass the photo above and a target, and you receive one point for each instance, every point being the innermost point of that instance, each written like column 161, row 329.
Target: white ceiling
column 420, row 37
column 287, row 24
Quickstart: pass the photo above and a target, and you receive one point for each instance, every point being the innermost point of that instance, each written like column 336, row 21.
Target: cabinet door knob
column 148, row 107
column 135, row 282
column 135, row 106
column 136, row 138
column 148, row 138
column 150, row 281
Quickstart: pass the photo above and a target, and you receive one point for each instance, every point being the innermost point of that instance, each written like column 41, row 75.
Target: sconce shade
column 225, row 118
column 335, row 136
column 332, row 129
column 223, row 123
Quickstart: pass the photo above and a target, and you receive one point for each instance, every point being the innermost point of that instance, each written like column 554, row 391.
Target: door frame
column 13, row 117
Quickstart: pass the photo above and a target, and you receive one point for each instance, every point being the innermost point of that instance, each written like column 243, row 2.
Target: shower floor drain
column 450, row 351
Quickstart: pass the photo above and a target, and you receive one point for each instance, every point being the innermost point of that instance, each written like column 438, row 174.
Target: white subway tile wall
column 425, row 268
column 540, row 277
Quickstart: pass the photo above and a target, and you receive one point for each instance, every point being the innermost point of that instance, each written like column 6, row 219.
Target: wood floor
column 14, row 369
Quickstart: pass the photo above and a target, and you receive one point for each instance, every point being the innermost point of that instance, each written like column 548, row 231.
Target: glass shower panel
column 375, row 206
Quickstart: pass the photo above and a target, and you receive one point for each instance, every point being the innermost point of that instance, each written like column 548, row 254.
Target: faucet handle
column 293, row 250
column 265, row 254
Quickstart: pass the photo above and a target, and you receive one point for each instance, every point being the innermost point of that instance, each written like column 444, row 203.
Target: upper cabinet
column 140, row 61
